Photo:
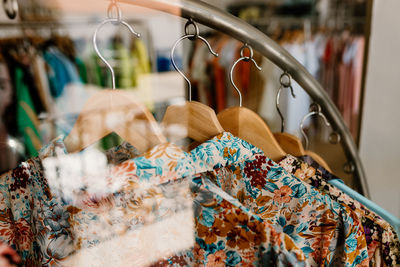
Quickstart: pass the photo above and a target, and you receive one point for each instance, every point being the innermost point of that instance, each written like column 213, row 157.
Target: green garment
column 27, row 120
column 124, row 70
column 81, row 70
column 141, row 60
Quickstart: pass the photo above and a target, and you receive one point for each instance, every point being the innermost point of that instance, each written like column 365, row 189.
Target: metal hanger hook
column 284, row 84
column 244, row 58
column 246, row 46
column 189, row 23
column 190, row 37
column 312, row 113
column 96, row 49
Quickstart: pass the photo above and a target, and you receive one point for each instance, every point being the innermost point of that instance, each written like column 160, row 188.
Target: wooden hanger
column 199, row 121
column 292, row 145
column 248, row 125
column 114, row 111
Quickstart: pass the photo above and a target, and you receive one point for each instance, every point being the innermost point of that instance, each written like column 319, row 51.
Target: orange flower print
column 24, row 234
column 237, row 218
column 198, row 252
column 239, row 237
column 320, row 247
column 258, row 228
column 248, row 257
column 304, row 172
column 210, row 233
column 217, row 259
column 282, row 195
column 229, row 152
column 7, row 230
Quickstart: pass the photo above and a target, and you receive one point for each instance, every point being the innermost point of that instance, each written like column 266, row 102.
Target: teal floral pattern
column 326, row 234
column 47, row 229
column 228, row 235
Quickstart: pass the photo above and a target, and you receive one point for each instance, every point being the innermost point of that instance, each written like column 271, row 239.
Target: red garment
column 219, row 78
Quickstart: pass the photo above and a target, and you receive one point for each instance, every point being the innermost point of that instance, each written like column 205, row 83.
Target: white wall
column 380, row 133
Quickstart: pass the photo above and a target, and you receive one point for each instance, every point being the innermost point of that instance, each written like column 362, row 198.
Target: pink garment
column 357, row 74
column 350, row 79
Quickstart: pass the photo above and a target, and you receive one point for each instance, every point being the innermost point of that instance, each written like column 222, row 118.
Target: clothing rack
column 224, row 22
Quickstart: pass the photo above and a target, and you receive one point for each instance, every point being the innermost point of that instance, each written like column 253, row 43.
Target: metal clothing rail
column 224, row 22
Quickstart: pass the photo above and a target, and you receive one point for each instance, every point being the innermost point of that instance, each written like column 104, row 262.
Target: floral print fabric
column 319, row 226
column 227, row 234
column 48, row 229
column 379, row 234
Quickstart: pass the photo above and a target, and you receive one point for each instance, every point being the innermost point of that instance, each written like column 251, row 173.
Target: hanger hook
column 312, row 113
column 115, row 21
column 244, row 58
column 284, row 84
column 189, row 36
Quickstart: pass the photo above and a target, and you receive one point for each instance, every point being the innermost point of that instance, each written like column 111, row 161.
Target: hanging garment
column 140, row 56
column 62, row 72
column 47, row 226
column 27, row 120
column 42, row 82
column 198, row 69
column 379, row 234
column 124, row 68
column 216, row 219
column 9, row 155
column 333, row 180
column 219, row 78
column 226, row 232
column 82, row 71
column 319, row 226
column 226, row 58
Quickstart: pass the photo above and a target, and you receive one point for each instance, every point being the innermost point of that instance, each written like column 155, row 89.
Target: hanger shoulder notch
column 197, row 120
column 290, row 144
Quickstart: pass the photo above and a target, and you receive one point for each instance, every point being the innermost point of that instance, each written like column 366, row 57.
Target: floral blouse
column 227, row 234
column 46, row 228
column 379, row 234
column 319, row 226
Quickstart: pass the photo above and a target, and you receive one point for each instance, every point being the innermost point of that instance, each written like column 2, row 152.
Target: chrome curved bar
column 224, row 22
